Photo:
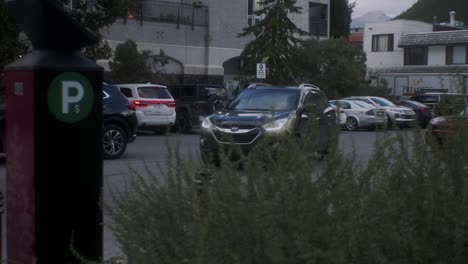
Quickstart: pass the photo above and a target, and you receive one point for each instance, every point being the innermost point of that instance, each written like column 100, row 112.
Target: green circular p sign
column 70, row 97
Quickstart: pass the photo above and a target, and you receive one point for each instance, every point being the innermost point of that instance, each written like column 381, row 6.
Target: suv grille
column 408, row 112
column 228, row 126
column 238, row 138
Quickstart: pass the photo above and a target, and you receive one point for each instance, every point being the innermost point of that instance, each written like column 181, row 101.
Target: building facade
column 200, row 38
column 412, row 57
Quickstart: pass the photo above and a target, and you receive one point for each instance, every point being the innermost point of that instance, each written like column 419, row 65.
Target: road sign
column 261, row 71
column 70, row 97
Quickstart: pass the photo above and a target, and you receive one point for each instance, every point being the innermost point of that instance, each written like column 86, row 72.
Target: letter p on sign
column 67, row 97
column 70, row 97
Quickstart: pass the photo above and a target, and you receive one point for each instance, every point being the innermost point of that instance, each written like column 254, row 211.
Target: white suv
column 399, row 115
column 153, row 104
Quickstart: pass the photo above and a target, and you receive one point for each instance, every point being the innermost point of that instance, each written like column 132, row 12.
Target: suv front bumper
column 213, row 142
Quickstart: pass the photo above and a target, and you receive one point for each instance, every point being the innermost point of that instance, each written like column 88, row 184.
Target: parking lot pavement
column 148, row 155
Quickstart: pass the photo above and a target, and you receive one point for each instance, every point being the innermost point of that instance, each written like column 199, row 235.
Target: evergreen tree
column 93, row 14
column 426, row 10
column 130, row 65
column 98, row 14
column 275, row 40
column 335, row 65
column 11, row 46
column 340, row 18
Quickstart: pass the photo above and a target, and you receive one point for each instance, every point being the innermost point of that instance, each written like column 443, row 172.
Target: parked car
column 119, row 123
column 153, row 104
column 361, row 115
column 194, row 102
column 263, row 111
column 340, row 115
column 423, row 112
column 399, row 115
column 443, row 103
column 442, row 126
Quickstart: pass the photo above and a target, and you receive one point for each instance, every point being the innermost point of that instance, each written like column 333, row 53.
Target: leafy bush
column 407, row 204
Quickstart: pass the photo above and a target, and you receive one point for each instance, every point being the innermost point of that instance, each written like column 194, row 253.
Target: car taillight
column 143, row 104
column 138, row 103
column 370, row 112
column 425, row 110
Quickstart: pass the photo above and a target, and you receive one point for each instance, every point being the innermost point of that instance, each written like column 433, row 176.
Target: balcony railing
column 175, row 13
column 318, row 26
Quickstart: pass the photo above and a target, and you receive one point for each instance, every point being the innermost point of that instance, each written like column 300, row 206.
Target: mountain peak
column 369, row 17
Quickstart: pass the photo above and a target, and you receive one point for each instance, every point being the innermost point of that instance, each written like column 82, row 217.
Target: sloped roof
column 449, row 69
column 434, row 38
column 356, row 37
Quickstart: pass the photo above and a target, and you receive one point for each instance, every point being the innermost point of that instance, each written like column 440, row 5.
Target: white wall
column 201, row 50
column 408, row 84
column 397, row 27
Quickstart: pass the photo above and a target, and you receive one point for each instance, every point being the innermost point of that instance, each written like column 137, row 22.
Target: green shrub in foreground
column 408, row 204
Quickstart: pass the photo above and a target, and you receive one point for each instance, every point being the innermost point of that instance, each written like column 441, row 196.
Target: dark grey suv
column 263, row 111
column 194, row 102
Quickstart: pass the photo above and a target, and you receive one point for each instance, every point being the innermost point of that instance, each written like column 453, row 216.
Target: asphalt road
column 149, row 154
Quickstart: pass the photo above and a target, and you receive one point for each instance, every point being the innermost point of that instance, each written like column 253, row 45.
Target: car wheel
column 183, row 122
column 114, row 141
column 351, row 124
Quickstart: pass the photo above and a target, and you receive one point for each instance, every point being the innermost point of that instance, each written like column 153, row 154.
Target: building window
column 381, row 43
column 254, row 5
column 416, row 56
column 456, row 55
column 318, row 22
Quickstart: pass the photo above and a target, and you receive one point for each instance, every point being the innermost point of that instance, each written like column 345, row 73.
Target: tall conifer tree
column 275, row 37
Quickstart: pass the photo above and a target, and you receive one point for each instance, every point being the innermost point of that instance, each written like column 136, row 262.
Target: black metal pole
column 193, row 17
column 178, row 17
column 141, row 12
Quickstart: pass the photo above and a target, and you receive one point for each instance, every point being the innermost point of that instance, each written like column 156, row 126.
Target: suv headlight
column 207, row 123
column 276, row 126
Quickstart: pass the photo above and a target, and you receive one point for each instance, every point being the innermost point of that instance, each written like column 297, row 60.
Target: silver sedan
column 360, row 115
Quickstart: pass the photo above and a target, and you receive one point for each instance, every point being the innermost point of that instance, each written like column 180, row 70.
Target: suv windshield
column 426, row 98
column 154, row 92
column 266, row 100
column 382, row 101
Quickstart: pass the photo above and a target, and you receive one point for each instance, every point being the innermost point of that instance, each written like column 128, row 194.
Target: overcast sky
column 390, row 7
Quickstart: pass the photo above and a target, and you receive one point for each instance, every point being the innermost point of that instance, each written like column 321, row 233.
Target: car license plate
column 152, row 112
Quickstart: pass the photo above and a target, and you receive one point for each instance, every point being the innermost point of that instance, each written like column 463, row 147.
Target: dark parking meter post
column 53, row 141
